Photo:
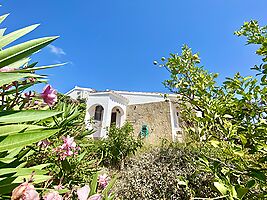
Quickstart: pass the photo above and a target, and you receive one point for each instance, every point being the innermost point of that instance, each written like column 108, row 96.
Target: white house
column 143, row 109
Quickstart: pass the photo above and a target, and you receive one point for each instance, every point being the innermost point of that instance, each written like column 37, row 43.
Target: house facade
column 150, row 113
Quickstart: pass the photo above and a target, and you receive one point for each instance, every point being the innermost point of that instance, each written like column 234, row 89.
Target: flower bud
column 25, row 191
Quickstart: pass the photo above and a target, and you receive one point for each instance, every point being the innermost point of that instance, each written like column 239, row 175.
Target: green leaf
column 26, row 115
column 250, row 183
column 9, row 183
column 81, row 156
column 221, row 188
column 109, row 186
column 93, row 185
column 7, row 160
column 3, row 17
column 20, row 51
column 38, row 68
column 258, row 175
column 7, row 78
column 21, row 171
column 7, row 39
column 214, row 143
column 241, row 192
column 228, row 116
column 18, row 64
column 2, row 31
column 15, row 128
column 25, row 138
column 13, row 152
column 20, row 88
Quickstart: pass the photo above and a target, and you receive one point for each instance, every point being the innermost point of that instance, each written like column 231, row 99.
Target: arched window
column 98, row 113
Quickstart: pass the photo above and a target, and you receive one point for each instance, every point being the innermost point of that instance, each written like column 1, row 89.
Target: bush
column 119, row 144
column 164, row 173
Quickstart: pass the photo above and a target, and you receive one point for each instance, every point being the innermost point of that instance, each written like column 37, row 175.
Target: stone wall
column 155, row 115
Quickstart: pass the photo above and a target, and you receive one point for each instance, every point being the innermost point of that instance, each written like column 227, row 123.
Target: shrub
column 164, row 173
column 119, row 144
column 18, row 116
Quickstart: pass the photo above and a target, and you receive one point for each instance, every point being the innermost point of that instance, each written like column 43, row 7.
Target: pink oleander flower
column 25, row 191
column 83, row 192
column 103, row 180
column 68, row 142
column 69, row 148
column 43, row 144
column 53, row 196
column 95, row 197
column 49, row 95
column 7, row 69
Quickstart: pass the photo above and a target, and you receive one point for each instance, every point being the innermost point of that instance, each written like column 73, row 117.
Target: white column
column 106, row 120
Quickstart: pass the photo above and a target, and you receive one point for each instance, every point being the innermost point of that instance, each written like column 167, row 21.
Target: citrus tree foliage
column 18, row 128
column 231, row 117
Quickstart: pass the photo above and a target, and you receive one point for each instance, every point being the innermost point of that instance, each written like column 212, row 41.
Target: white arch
column 94, row 122
column 117, row 116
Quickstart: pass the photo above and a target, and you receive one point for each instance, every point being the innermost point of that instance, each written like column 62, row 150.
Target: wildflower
column 49, row 95
column 53, row 196
column 7, row 69
column 25, row 191
column 95, row 197
column 83, row 192
column 103, row 180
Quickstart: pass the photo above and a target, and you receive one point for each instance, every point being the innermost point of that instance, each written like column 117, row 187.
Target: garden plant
column 41, row 134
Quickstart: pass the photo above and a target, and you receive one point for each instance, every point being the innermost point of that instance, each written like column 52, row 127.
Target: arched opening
column 96, row 113
column 99, row 110
column 116, row 116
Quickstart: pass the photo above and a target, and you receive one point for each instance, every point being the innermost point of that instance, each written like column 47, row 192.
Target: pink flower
column 44, row 144
column 25, row 191
column 69, row 148
column 83, row 192
column 49, row 95
column 95, row 197
column 7, row 69
column 68, row 142
column 53, row 196
column 103, row 180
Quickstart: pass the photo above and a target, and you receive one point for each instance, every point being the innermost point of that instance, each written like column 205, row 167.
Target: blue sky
column 111, row 44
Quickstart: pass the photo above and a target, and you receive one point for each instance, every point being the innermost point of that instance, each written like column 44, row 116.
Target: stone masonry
column 155, row 115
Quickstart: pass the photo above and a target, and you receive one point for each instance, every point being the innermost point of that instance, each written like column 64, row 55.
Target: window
column 79, row 95
column 98, row 113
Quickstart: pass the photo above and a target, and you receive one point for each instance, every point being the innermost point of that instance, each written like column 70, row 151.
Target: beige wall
column 155, row 115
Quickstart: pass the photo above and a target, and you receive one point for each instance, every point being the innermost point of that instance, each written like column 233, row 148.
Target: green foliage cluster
column 231, row 117
column 75, row 169
column 119, row 144
column 31, row 131
column 167, row 172
column 18, row 124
